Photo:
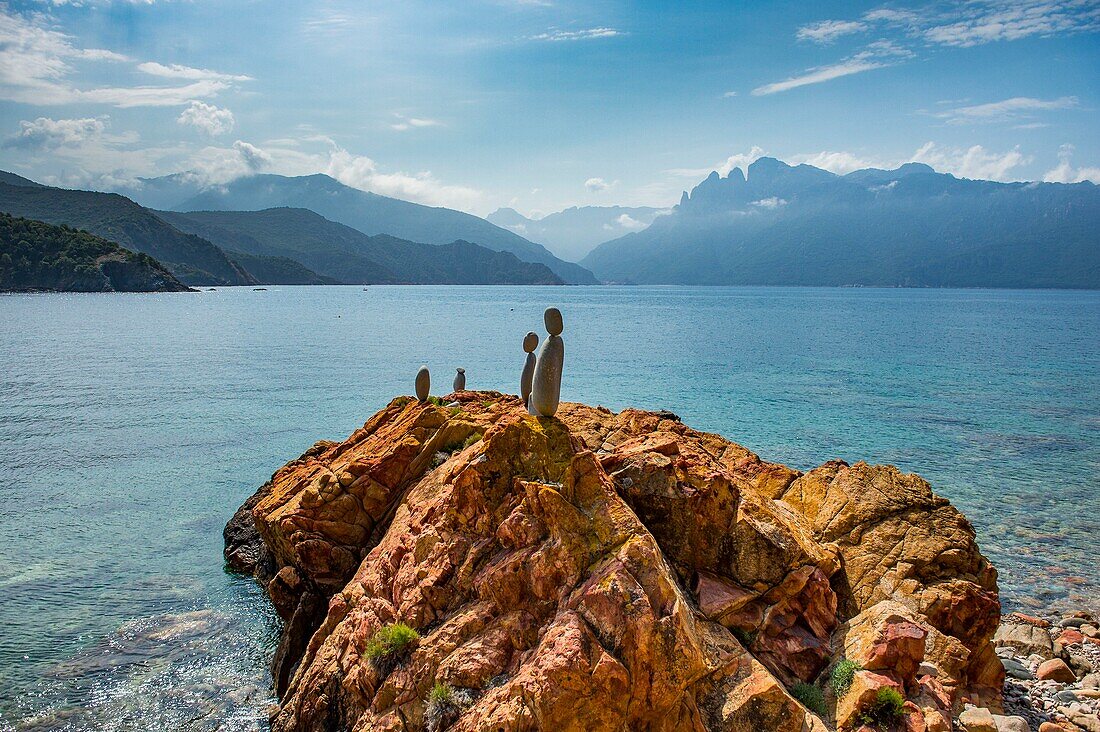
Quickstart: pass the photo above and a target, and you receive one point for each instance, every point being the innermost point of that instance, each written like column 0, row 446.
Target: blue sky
column 542, row 104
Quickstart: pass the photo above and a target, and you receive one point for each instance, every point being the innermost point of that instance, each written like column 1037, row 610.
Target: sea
column 133, row 425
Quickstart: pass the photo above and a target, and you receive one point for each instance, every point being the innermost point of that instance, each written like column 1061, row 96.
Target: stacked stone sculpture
column 460, row 380
column 423, row 383
column 546, row 383
column 530, row 343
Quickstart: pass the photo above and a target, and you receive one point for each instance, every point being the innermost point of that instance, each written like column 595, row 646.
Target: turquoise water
column 131, row 427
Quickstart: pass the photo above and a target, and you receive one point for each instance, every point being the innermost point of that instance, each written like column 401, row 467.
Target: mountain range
column 341, row 253
column 574, row 232
column 116, row 218
column 369, row 213
column 778, row 225
column 35, row 256
column 278, row 246
column 800, row 225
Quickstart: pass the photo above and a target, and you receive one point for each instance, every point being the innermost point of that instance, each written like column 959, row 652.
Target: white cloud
column 211, row 119
column 149, row 96
column 108, row 162
column 741, row 160
column 629, row 223
column 47, row 134
column 816, row 76
column 941, row 23
column 840, row 163
column 33, row 59
column 737, row 160
column 890, row 15
column 407, row 123
column 973, row 162
column 771, row 203
column 176, row 71
column 986, row 21
column 597, row 185
column 875, row 56
column 1006, row 109
column 253, row 157
column 828, row 31
column 1066, row 173
column 577, row 35
column 974, row 22
column 307, row 155
column 36, row 62
column 217, row 165
column 729, row 95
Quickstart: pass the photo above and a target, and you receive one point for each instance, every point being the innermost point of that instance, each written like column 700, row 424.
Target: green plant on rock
column 474, row 437
column 444, row 706
column 389, row 646
column 436, row 401
column 843, row 673
column 441, row 694
column 887, row 708
column 811, row 697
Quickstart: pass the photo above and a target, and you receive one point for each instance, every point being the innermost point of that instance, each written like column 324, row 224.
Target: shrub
column 474, row 437
column 389, row 646
column 810, row 696
column 441, row 694
column 886, row 709
column 843, row 673
column 444, row 706
column 436, row 401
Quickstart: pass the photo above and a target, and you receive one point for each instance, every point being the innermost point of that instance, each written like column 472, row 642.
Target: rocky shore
column 1052, row 670
column 463, row 565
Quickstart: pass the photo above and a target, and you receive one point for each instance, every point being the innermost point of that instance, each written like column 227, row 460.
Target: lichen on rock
column 601, row 571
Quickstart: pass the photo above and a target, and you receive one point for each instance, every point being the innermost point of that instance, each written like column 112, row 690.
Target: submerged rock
column 601, row 571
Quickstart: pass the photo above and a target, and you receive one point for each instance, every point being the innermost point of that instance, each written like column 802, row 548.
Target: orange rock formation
column 600, row 571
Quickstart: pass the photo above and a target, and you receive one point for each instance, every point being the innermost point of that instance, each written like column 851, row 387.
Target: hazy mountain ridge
column 370, row 213
column 286, row 246
column 116, row 218
column 35, row 256
column 348, row 255
column 276, row 270
column 574, row 232
column 799, row 225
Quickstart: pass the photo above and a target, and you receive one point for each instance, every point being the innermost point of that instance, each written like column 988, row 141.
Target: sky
column 544, row 104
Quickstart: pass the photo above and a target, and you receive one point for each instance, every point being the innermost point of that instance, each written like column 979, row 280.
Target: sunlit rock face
column 601, row 571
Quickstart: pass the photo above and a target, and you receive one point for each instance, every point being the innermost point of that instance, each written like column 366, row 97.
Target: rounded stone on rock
column 977, row 719
column 1056, row 670
column 460, row 379
column 530, row 341
column 1010, row 724
column 553, row 321
column 423, row 383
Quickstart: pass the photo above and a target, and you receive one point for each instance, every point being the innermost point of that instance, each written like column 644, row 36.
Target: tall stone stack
column 530, row 343
column 546, row 383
